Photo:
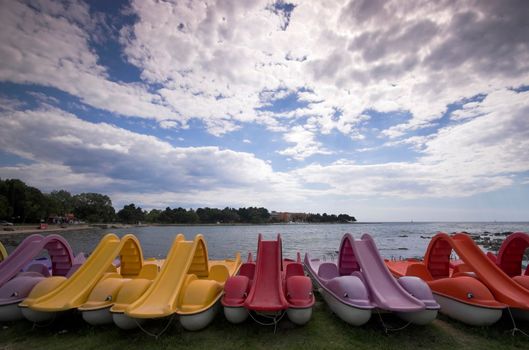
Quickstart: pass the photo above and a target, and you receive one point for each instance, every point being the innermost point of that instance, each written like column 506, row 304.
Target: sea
column 395, row 240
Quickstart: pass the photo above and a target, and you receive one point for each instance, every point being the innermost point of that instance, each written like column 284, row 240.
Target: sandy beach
column 34, row 228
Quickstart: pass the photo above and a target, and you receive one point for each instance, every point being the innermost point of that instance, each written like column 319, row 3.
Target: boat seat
column 149, row 271
column 419, row 270
column 460, row 269
column 465, row 273
column 248, row 270
column 219, row 273
column 294, row 269
column 236, row 290
column 328, row 271
column 299, row 290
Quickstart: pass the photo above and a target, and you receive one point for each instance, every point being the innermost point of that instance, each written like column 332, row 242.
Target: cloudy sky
column 386, row 110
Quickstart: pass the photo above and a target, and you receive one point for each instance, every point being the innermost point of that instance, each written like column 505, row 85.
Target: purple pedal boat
column 360, row 282
column 21, row 271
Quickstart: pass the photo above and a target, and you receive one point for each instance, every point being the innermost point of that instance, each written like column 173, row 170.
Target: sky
column 384, row 110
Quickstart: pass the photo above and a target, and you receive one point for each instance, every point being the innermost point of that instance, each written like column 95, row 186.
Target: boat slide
column 269, row 286
column 510, row 257
column 43, row 302
column 3, row 252
column 360, row 282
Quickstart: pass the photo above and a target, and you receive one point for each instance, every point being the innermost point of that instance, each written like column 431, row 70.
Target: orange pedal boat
column 474, row 291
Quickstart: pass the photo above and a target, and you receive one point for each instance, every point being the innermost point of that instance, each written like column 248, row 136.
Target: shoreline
column 33, row 229
column 55, row 228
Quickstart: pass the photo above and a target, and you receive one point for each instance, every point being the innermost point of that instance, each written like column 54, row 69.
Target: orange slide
column 510, row 257
column 475, row 291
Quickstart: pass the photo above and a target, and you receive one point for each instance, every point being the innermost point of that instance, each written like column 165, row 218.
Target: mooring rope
column 515, row 329
column 275, row 319
column 386, row 328
column 155, row 335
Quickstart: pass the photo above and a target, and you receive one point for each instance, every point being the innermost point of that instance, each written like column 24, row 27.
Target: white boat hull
column 199, row 321
column 466, row 313
column 236, row 314
column 10, row 312
column 350, row 314
column 98, row 317
column 299, row 316
column 37, row 316
column 422, row 317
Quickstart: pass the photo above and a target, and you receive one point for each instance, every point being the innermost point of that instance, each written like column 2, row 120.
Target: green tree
column 131, row 215
column 20, row 202
column 93, row 207
column 153, row 216
column 60, row 202
column 34, row 205
column 5, row 210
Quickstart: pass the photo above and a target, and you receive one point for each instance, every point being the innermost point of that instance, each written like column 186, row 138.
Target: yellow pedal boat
column 51, row 296
column 188, row 285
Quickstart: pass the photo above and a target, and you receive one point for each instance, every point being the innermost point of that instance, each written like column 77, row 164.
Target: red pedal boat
column 269, row 286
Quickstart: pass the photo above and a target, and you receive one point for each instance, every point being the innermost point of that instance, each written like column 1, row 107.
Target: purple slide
column 20, row 272
column 386, row 293
column 360, row 281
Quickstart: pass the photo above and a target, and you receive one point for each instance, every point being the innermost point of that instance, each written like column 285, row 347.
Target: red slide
column 269, row 287
column 266, row 293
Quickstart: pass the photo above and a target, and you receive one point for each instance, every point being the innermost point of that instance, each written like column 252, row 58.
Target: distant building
column 288, row 217
column 57, row 219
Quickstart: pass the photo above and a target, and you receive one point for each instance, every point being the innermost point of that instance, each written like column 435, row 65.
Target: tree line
column 21, row 203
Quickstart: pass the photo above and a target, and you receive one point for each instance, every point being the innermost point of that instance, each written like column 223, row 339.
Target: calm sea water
column 393, row 239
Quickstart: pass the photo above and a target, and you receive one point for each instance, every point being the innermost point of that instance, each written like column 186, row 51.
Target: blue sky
column 380, row 109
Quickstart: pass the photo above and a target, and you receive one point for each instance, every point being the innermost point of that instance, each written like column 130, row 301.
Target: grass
column 324, row 331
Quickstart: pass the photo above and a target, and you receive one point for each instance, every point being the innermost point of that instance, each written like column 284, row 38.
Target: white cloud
column 168, row 124
column 222, row 63
column 81, row 155
column 84, row 156
column 51, row 47
column 474, row 157
column 305, row 144
column 401, row 58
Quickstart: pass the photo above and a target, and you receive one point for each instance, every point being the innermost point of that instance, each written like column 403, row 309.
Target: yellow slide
column 3, row 252
column 42, row 302
column 189, row 285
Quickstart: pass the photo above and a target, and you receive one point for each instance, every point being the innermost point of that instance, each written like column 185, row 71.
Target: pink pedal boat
column 359, row 282
column 20, row 271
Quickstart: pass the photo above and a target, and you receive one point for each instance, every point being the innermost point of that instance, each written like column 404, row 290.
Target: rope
column 386, row 328
column 515, row 329
column 275, row 319
column 156, row 336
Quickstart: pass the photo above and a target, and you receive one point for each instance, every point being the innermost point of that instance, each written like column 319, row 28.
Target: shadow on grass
column 324, row 331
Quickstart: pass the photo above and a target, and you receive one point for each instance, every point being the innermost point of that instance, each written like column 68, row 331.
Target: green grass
column 324, row 331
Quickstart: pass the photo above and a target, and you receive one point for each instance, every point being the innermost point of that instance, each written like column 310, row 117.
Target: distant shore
column 34, row 228
column 55, row 228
